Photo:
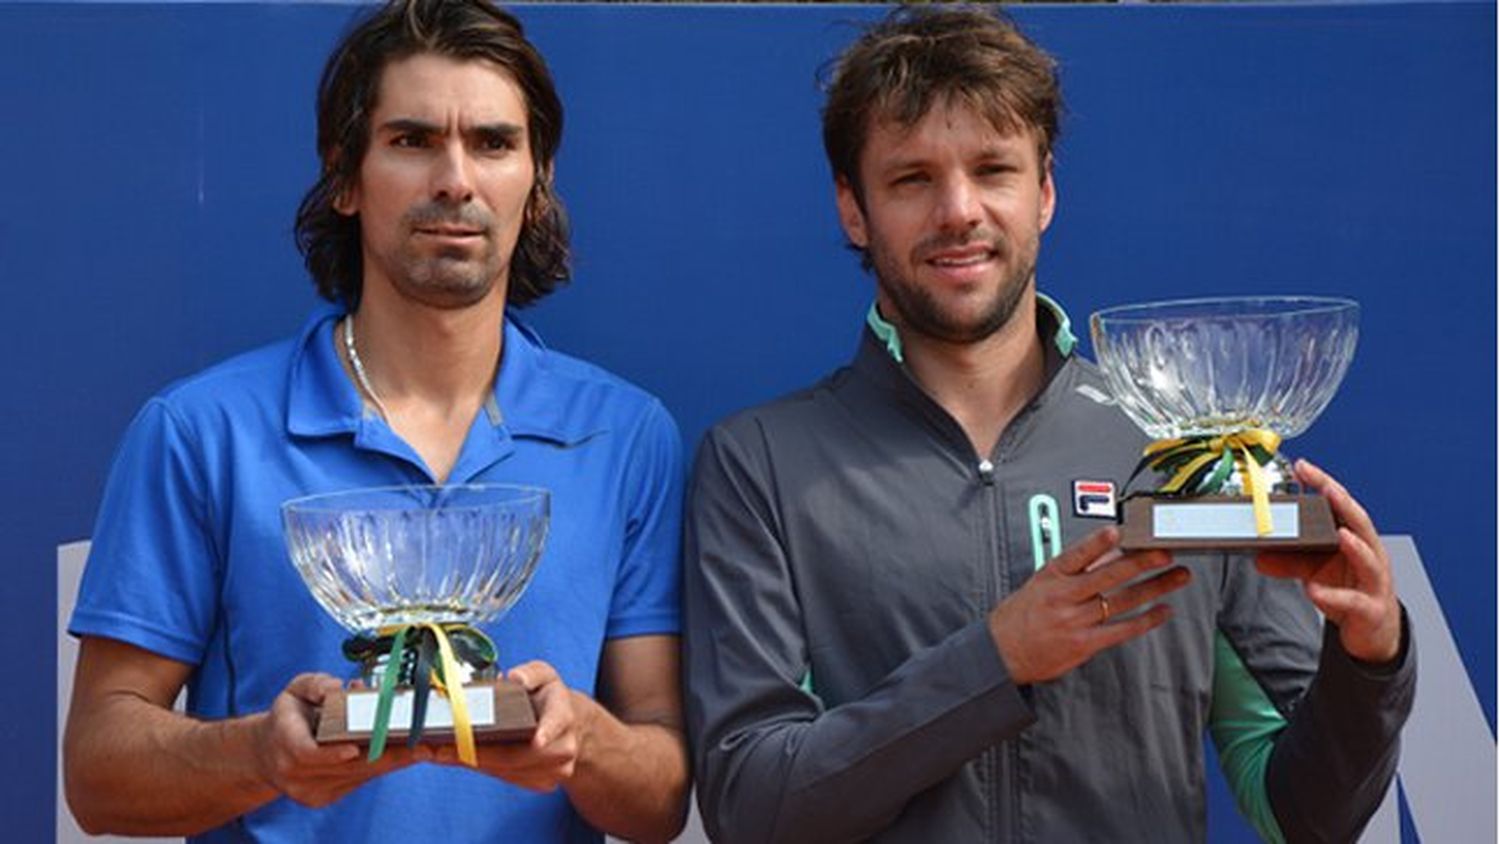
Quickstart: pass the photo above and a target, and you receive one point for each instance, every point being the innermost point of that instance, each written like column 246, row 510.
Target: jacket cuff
column 973, row 654
column 1335, row 658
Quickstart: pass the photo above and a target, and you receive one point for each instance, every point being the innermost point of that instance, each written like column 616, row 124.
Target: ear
column 539, row 198
column 851, row 216
column 1049, row 196
column 347, row 200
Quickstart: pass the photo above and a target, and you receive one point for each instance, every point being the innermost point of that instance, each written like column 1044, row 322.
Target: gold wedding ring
column 1103, row 608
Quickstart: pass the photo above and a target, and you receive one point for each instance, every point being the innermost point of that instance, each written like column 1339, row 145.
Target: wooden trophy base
column 1302, row 523
column 499, row 711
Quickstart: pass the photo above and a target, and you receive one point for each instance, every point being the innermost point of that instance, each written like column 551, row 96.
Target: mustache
column 468, row 216
column 986, row 237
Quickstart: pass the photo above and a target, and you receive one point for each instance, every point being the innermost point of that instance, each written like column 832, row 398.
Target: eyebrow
column 989, row 152
column 402, row 125
column 504, row 131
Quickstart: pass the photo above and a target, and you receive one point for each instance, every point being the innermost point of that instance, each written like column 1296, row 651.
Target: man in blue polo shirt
column 438, row 124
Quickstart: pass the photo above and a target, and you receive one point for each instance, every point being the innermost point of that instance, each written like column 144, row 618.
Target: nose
column 958, row 207
column 452, row 175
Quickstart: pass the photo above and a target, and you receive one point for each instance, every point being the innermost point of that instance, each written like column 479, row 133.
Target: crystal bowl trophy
column 1218, row 384
column 409, row 572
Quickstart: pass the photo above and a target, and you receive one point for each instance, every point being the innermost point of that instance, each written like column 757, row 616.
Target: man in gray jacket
column 882, row 641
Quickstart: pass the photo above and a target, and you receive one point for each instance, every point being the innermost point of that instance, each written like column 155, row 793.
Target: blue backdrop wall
column 153, row 154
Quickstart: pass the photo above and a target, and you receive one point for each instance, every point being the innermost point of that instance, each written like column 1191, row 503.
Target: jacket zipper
column 1000, row 760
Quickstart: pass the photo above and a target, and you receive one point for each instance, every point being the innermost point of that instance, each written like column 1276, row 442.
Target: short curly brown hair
column 900, row 67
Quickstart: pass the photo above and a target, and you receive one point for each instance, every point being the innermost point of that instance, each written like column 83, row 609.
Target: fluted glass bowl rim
column 321, row 503
column 1282, row 307
column 1118, row 329
column 527, row 503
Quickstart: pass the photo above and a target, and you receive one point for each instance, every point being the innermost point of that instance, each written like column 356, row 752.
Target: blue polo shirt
column 188, row 559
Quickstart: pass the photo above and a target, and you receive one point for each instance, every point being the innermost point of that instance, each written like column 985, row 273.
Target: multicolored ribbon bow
column 1203, row 464
column 424, row 641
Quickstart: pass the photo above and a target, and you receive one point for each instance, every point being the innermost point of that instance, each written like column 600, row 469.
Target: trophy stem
column 1226, row 491
column 1203, row 465
column 413, row 666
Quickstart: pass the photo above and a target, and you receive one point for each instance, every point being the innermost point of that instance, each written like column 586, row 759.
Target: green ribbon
column 438, row 650
column 1200, row 465
column 388, row 682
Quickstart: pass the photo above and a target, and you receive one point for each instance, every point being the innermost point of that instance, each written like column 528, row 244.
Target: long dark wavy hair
column 462, row 29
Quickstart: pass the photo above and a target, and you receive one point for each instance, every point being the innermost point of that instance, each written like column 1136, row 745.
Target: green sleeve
column 1244, row 725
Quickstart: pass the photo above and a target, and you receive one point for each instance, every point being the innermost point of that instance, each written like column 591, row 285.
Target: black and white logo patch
column 1094, row 499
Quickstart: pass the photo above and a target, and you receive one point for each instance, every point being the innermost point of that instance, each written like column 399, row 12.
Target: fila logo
column 1094, row 499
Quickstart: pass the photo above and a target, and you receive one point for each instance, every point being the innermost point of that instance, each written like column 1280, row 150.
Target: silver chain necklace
column 359, row 369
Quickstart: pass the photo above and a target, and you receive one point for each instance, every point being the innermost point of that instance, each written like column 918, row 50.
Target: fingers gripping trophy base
column 500, row 711
column 1301, row 523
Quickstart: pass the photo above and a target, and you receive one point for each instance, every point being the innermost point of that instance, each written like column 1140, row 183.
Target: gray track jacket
column 844, row 546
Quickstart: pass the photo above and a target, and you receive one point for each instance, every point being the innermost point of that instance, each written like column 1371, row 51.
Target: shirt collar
column 1062, row 328
column 879, row 354
column 321, row 400
column 534, row 395
column 529, row 399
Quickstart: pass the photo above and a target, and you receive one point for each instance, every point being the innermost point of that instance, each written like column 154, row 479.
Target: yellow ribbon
column 1206, row 450
column 463, row 730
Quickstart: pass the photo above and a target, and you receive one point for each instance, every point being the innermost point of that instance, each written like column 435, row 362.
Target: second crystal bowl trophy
column 1218, row 384
column 410, row 572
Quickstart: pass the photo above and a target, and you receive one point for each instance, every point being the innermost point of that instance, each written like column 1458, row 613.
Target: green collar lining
column 1062, row 338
